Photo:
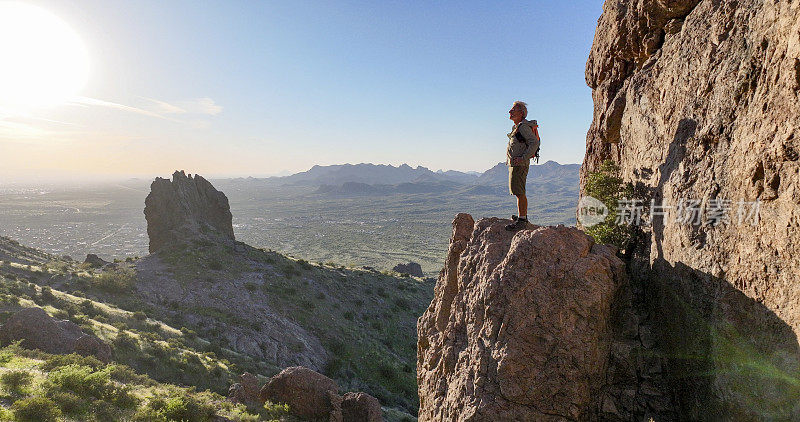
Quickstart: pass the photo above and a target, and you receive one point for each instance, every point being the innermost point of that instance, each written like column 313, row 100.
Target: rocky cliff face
column 184, row 209
column 520, row 325
column 700, row 100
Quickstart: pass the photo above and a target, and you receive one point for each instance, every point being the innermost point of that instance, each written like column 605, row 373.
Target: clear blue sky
column 286, row 85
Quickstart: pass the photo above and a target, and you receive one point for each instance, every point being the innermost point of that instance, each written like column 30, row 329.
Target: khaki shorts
column 517, row 176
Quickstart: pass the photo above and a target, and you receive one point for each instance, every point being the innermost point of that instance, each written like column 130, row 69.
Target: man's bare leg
column 522, row 205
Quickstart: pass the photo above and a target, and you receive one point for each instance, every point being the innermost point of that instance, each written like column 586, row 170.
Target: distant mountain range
column 382, row 179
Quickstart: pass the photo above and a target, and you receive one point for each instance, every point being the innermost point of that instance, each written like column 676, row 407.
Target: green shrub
column 119, row 281
column 183, row 408
column 190, row 334
column 47, row 295
column 6, row 356
column 102, row 411
column 16, row 380
column 125, row 341
column 88, row 309
column 606, row 185
column 79, row 379
column 68, row 402
column 139, row 316
column 87, row 383
column 36, row 409
column 148, row 414
column 57, row 361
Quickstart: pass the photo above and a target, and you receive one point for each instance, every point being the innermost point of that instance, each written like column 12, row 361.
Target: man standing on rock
column 523, row 144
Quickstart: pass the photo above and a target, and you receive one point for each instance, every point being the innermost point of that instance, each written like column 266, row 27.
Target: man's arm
column 533, row 141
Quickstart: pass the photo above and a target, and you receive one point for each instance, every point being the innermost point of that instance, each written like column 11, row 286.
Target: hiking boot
column 517, row 224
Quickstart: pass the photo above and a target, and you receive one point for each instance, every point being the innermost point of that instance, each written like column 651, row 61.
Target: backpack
column 520, row 138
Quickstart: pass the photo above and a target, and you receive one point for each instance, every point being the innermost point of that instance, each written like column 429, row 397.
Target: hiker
column 523, row 144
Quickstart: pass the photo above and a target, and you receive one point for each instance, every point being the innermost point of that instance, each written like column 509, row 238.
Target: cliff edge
column 699, row 101
column 519, row 327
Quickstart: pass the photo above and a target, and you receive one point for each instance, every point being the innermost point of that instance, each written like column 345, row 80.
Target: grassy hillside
column 41, row 387
column 364, row 320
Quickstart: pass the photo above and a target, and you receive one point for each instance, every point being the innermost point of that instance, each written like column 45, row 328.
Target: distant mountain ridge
column 383, row 178
column 371, row 174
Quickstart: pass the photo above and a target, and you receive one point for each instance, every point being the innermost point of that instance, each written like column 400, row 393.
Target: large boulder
column 412, row 268
column 699, row 101
column 38, row 330
column 185, row 209
column 361, row 407
column 308, row 393
column 519, row 325
column 245, row 391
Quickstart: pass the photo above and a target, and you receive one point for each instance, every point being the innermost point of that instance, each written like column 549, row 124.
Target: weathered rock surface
column 519, row 325
column 267, row 335
column 184, row 209
column 95, row 261
column 38, row 330
column 246, row 391
column 309, row 394
column 701, row 100
column 412, row 268
column 361, row 407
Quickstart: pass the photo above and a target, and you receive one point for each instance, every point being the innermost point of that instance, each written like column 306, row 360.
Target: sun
column 43, row 61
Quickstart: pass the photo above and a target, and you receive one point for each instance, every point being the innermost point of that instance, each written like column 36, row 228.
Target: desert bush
column 6, row 356
column 126, row 375
column 88, row 309
column 148, row 414
column 58, row 361
column 16, row 380
column 190, row 334
column 47, row 295
column 35, row 409
column 139, row 316
column 79, row 379
column 120, row 281
column 125, row 341
column 88, row 383
column 183, row 408
column 607, row 186
column 68, row 402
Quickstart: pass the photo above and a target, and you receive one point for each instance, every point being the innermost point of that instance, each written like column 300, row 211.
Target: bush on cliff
column 607, row 186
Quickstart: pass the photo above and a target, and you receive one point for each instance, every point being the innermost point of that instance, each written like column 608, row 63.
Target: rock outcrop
column 245, row 391
column 185, row 209
column 313, row 396
column 38, row 330
column 361, row 407
column 95, row 261
column 519, row 327
column 308, row 393
column 700, row 100
column 412, row 268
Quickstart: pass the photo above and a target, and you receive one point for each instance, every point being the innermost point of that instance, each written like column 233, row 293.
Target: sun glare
column 44, row 62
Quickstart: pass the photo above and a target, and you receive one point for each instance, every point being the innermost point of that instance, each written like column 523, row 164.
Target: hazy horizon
column 64, row 179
